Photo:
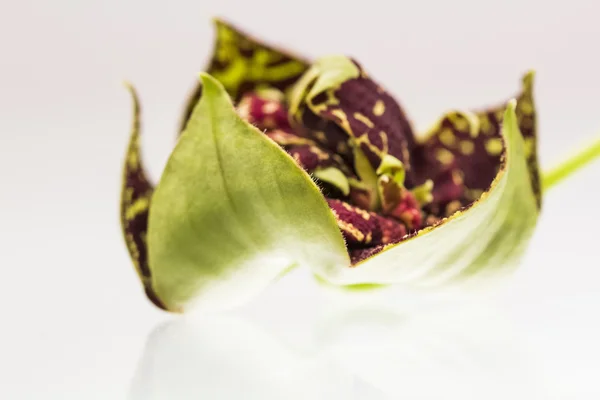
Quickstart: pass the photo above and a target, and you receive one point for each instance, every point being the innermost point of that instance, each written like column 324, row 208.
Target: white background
column 73, row 321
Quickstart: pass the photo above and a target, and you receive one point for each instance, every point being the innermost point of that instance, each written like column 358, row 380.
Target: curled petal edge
column 489, row 235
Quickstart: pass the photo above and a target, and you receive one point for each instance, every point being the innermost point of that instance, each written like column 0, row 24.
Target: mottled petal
column 449, row 191
column 353, row 107
column 471, row 144
column 265, row 110
column 365, row 229
column 135, row 203
column 242, row 63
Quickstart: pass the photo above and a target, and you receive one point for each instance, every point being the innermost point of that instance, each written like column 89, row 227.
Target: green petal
column 334, row 177
column 242, row 63
column 232, row 212
column 327, row 73
column 491, row 233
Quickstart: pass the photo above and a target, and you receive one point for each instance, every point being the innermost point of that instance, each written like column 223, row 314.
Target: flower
column 284, row 162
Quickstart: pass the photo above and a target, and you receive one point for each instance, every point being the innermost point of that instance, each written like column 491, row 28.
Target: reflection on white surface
column 356, row 353
column 227, row 358
column 468, row 354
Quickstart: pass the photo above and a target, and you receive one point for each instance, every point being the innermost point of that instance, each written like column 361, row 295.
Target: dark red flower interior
column 364, row 114
column 418, row 182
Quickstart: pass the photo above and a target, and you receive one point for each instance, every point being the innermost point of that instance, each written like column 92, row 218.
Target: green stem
column 572, row 164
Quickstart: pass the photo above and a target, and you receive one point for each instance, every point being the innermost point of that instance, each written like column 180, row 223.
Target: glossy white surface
column 75, row 324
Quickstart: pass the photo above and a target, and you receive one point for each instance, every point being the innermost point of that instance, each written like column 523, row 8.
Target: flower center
column 373, row 206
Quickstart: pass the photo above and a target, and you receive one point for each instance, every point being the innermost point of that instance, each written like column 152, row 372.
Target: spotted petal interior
column 469, row 145
column 457, row 160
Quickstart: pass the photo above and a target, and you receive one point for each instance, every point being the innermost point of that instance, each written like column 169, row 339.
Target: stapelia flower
column 285, row 163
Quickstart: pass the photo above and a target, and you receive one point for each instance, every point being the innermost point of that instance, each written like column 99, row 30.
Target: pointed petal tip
column 136, row 105
column 202, row 76
column 209, row 82
column 135, row 99
column 129, row 86
column 509, row 123
column 218, row 20
column 527, row 80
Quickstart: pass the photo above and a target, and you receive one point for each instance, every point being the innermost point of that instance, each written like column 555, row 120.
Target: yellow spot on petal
column 529, row 144
column 494, row 146
column 133, row 159
column 364, row 139
column 366, row 216
column 134, row 251
column 349, row 228
column 342, row 120
column 384, row 141
column 321, row 155
column 352, row 230
column 457, row 177
column 444, row 156
column 139, row 206
column 485, row 125
column 378, row 108
column 321, row 137
column 447, row 137
column 525, row 106
column 467, row 147
column 364, row 119
column 459, row 121
column 453, row 207
column 474, row 194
